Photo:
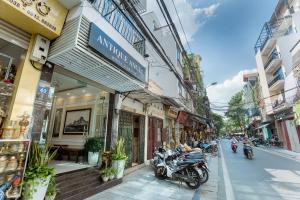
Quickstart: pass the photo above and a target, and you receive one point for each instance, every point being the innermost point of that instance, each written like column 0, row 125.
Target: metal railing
column 113, row 14
column 269, row 30
column 278, row 77
column 274, row 55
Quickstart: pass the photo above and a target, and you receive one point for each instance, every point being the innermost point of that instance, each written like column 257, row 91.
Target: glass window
column 177, row 53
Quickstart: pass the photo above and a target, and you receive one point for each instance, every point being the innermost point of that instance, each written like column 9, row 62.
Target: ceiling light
column 68, row 94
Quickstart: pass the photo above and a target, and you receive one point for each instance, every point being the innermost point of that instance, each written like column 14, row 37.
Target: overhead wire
column 181, row 26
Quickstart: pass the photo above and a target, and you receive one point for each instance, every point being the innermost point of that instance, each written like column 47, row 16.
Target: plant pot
column 52, row 197
column 38, row 188
column 111, row 177
column 119, row 165
column 93, row 158
column 105, row 178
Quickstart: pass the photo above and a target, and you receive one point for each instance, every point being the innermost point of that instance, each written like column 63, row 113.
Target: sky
column 224, row 33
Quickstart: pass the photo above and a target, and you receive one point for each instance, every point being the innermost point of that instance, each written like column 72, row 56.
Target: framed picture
column 77, row 122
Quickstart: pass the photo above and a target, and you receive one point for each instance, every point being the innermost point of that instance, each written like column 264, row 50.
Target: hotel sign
column 103, row 44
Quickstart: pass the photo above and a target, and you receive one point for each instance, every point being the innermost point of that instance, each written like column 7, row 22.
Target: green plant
column 105, row 172
column 37, row 170
column 93, row 144
column 113, row 171
column 51, row 190
column 119, row 151
column 108, row 171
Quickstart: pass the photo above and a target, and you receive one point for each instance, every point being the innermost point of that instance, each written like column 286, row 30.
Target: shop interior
column 10, row 56
column 78, row 111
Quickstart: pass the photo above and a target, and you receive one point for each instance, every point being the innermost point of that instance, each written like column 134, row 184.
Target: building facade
column 275, row 67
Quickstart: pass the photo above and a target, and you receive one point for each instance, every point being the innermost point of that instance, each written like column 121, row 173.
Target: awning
column 184, row 115
column 144, row 96
column 262, row 126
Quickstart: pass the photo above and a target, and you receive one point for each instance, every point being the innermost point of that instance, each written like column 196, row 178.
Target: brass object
column 12, row 164
column 23, row 123
column 8, row 133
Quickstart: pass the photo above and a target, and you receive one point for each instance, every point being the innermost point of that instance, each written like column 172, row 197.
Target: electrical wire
column 182, row 27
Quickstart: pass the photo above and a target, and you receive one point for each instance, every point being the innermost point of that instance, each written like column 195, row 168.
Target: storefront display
column 13, row 159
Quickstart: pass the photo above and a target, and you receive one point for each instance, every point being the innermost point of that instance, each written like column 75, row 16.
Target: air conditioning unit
column 40, row 49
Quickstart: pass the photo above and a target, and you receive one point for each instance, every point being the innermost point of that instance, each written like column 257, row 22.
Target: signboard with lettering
column 103, row 44
column 35, row 16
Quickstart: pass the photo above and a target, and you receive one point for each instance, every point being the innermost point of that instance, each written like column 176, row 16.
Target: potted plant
column 93, row 147
column 105, row 174
column 112, row 173
column 51, row 190
column 119, row 158
column 38, row 174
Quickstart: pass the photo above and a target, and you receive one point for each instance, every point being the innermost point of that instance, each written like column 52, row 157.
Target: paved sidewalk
column 209, row 190
column 142, row 184
column 282, row 152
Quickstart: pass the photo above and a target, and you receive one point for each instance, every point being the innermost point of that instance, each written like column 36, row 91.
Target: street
column 267, row 176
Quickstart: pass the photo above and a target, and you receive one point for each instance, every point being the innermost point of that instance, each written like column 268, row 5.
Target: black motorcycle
column 248, row 151
column 184, row 171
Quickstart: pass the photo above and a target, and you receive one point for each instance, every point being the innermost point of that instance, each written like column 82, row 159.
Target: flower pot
column 93, row 158
column 105, row 178
column 119, row 165
column 111, row 177
column 38, row 189
column 52, row 197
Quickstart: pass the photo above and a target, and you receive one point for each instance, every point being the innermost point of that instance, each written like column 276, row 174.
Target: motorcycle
column 248, row 152
column 234, row 147
column 185, row 170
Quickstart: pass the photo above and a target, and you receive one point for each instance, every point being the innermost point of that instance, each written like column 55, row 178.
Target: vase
column 93, row 158
column 38, row 189
column 119, row 165
column 105, row 178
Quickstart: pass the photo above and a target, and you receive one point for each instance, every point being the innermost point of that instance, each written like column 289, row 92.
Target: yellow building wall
column 26, row 82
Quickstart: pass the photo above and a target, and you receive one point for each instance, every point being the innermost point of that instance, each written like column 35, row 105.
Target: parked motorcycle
column 248, row 151
column 185, row 170
column 234, row 147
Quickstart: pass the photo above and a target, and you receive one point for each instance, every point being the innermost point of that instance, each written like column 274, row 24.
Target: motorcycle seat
column 185, row 162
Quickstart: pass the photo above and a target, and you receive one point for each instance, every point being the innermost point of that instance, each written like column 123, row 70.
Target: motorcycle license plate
column 200, row 172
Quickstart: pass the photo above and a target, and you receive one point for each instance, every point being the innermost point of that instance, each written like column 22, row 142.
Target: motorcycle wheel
column 250, row 156
column 205, row 176
column 196, row 177
column 160, row 173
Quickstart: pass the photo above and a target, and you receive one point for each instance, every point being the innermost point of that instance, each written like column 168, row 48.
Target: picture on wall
column 77, row 122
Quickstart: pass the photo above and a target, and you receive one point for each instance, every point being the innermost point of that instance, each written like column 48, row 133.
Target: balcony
column 113, row 14
column 277, row 83
column 273, row 63
column 279, row 105
column 270, row 32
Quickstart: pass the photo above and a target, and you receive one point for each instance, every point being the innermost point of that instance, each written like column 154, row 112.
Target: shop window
column 10, row 55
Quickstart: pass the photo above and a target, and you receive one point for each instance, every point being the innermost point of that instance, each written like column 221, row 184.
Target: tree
column 236, row 112
column 217, row 121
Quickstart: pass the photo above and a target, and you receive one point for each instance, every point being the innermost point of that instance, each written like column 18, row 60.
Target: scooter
column 248, row 152
column 234, row 147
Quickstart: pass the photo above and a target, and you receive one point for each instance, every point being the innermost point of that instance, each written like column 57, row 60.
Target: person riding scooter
column 234, row 144
column 247, row 148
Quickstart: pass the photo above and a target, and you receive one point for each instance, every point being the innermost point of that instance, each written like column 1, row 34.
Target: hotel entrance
column 74, row 112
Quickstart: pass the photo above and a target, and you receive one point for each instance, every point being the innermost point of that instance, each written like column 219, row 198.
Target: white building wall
column 264, row 83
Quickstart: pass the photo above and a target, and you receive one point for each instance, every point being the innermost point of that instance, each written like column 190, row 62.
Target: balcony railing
column 274, row 55
column 113, row 14
column 278, row 77
column 278, row 103
column 269, row 30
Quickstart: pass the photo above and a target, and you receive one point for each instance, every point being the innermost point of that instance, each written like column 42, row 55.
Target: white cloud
column 208, row 11
column 191, row 18
column 220, row 94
